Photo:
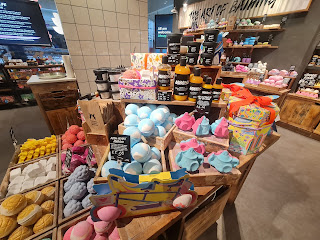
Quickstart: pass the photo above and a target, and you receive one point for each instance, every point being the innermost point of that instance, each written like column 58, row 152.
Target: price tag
column 203, row 104
column 13, row 138
column 164, row 96
column 68, row 158
column 89, row 156
column 120, row 148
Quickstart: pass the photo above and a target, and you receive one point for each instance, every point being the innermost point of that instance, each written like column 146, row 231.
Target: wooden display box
column 64, row 227
column 159, row 142
column 50, row 234
column 206, row 175
column 271, row 87
column 61, row 218
column 5, row 182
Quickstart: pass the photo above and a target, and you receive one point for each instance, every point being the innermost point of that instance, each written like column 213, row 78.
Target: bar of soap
column 18, row 179
column 15, row 173
column 50, row 167
column 27, row 185
column 52, row 160
column 39, row 181
column 27, row 169
column 43, row 163
column 35, row 170
column 14, row 189
column 51, row 175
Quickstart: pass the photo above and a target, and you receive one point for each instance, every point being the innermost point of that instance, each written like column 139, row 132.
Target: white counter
column 36, row 80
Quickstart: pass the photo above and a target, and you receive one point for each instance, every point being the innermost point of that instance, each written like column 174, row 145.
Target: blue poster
column 162, row 28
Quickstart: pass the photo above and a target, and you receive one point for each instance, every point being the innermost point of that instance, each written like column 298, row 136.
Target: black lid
column 114, row 71
column 165, row 60
column 100, row 71
column 210, row 44
column 219, row 81
column 208, row 80
column 205, row 77
column 197, row 71
column 192, row 43
column 186, row 39
column 174, row 35
column 183, row 61
column 212, row 31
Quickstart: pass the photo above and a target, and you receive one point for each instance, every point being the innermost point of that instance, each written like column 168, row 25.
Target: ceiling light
column 185, row 7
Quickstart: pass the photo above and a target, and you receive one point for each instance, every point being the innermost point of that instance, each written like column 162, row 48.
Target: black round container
column 192, row 58
column 101, row 73
column 174, row 43
column 211, row 35
column 209, row 47
column 193, row 47
column 173, row 59
column 206, row 59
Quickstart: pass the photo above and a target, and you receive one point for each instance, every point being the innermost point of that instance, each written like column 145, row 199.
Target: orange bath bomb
column 71, row 138
column 78, row 143
column 64, row 142
column 66, row 146
column 81, row 128
column 64, row 136
column 81, row 136
column 74, row 129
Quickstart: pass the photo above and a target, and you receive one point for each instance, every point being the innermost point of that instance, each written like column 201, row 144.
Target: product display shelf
column 52, row 234
column 239, row 63
column 29, row 67
column 201, row 32
column 254, row 47
column 61, row 230
column 313, row 69
column 233, row 74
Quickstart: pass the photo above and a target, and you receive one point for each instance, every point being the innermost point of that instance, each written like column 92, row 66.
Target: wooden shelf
column 29, row 67
column 313, row 68
column 255, row 47
column 233, row 74
column 283, row 77
column 237, row 63
column 5, row 90
column 265, row 90
column 201, row 32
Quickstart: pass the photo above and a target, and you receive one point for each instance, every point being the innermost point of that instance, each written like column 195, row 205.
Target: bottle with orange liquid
column 181, row 80
column 164, row 74
column 195, row 84
column 216, row 90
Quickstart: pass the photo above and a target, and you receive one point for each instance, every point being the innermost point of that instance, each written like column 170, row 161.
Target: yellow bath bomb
column 48, row 192
column 34, row 197
column 29, row 215
column 42, row 223
column 7, row 225
column 13, row 205
column 21, row 233
column 47, row 206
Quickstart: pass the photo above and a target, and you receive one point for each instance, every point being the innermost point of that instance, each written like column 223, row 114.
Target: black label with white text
column 216, row 94
column 181, row 84
column 194, row 90
column 164, row 78
column 203, row 104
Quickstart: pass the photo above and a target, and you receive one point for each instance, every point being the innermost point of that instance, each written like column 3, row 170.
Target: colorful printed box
column 153, row 60
column 145, row 89
column 138, row 61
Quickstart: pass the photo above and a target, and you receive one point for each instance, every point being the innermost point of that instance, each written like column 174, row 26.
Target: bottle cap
column 165, row 60
column 183, row 61
column 219, row 81
column 205, row 77
column 197, row 71
column 208, row 80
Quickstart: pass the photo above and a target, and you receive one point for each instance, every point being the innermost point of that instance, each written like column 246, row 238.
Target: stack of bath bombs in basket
column 74, row 136
column 24, row 215
column 143, row 121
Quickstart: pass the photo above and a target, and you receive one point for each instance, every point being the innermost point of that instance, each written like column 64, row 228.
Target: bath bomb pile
column 74, row 136
column 275, row 81
column 79, row 157
column 21, row 216
column 33, row 148
column 78, row 189
column 33, row 175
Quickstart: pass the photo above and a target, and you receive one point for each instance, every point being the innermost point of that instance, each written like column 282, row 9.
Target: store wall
column 102, row 33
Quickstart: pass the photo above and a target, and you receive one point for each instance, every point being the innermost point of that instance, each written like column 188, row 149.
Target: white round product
column 102, row 85
column 114, row 75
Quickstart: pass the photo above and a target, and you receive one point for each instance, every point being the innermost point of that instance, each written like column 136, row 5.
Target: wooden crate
column 61, row 218
column 159, row 142
column 212, row 143
column 5, row 182
column 271, row 87
column 52, row 234
column 64, row 227
column 206, row 174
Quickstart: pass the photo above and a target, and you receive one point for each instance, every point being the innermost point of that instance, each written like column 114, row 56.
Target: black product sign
column 216, row 94
column 89, row 156
column 174, row 48
column 120, row 148
column 192, row 49
column 164, row 96
column 203, row 103
column 13, row 138
column 68, row 158
column 164, row 78
column 195, row 89
column 181, row 84
column 208, row 49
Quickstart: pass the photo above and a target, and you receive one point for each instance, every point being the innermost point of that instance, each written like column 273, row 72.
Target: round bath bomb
column 82, row 231
column 47, row 206
column 172, row 117
column 49, row 192
column 144, row 112
column 66, row 146
column 90, row 186
column 131, row 121
column 29, row 215
column 159, row 131
column 107, row 166
column 113, row 233
column 102, row 227
column 74, row 129
column 152, row 166
column 108, row 213
column 134, row 133
column 67, row 234
column 96, row 236
column 165, row 110
column 152, row 107
column 67, row 197
column 89, row 220
column 78, row 143
column 81, row 136
column 86, row 201
column 7, row 225
column 133, row 168
column 141, row 152
column 158, row 116
column 64, row 136
column 21, row 233
column 131, row 74
column 68, row 184
column 146, row 127
column 167, row 125
column 71, row 138
column 78, row 190
column 131, row 109
column 44, row 222
column 71, row 208
column 81, row 173
column 13, row 205
column 155, row 153
column 34, row 197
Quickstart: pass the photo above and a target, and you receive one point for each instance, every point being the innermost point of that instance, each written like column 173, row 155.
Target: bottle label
column 181, row 84
column 203, row 103
column 174, row 48
column 195, row 89
column 164, row 78
column 192, row 49
column 216, row 94
column 208, row 49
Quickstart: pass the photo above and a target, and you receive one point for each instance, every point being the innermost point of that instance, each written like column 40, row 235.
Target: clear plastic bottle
column 181, row 80
column 164, row 74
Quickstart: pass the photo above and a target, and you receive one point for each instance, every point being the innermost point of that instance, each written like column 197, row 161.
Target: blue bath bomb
column 167, row 125
column 152, row 107
column 131, row 109
column 86, row 201
column 134, row 133
column 81, row 173
column 144, row 112
column 107, row 166
column 68, row 184
column 159, row 131
column 146, row 127
column 71, row 208
column 133, row 168
column 158, row 116
column 141, row 152
column 155, row 153
column 90, row 186
column 152, row 166
column 131, row 121
column 165, row 110
column 78, row 190
column 172, row 117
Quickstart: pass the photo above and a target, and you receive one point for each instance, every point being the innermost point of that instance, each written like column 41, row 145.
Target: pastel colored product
column 152, row 106
column 152, row 166
column 133, row 168
column 131, row 109
column 44, row 222
column 201, row 126
column 48, row 192
column 134, row 133
column 68, row 184
column 155, row 153
column 167, row 125
column 29, row 215
column 21, row 233
column 89, row 220
column 13, row 205
column 47, row 207
column 193, row 143
column 71, row 208
column 172, row 117
column 189, row 159
column 131, row 121
column 81, row 173
column 7, row 225
column 114, row 233
column 102, row 227
column 107, row 166
column 96, row 236
column 183, row 201
column 144, row 112
column 67, row 234
column 223, row 161
column 158, row 116
column 67, row 197
column 165, row 110
column 159, row 131
column 86, row 201
column 108, row 213
column 78, row 190
column 220, row 128
column 81, row 231
column 141, row 152
column 146, row 127
column 185, row 122
column 90, row 186
column 34, row 197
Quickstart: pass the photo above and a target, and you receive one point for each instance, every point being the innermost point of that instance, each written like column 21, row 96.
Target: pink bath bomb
column 102, row 227
column 81, row 135
column 108, row 213
column 66, row 146
column 81, row 128
column 64, row 141
column 131, row 74
column 81, row 231
column 89, row 220
column 96, row 236
column 64, row 136
column 71, row 138
column 67, row 235
column 74, row 129
column 78, row 143
column 113, row 233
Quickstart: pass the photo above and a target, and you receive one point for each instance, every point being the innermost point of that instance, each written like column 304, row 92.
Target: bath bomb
column 131, row 121
column 172, row 117
column 107, row 166
column 133, row 168
column 51, row 175
column 146, row 127
column 201, row 127
column 49, row 192
column 141, row 152
column 78, row 190
column 21, row 233
column 39, row 181
column 185, row 122
column 102, row 227
column 165, row 110
column 68, row 184
column 81, row 173
column 108, row 213
column 47, row 207
column 158, row 116
column 7, row 225
column 134, row 133
column 81, row 136
column 131, row 109
column 193, row 143
column 159, row 131
column 81, row 231
column 78, row 143
column 74, row 129
column 86, row 201
column 152, row 107
column 15, row 173
column 144, row 112
column 35, row 197
column 67, row 234
column 17, row 180
column 89, row 220
column 113, row 233
column 223, row 161
column 66, row 146
column 13, row 205
column 29, row 215
column 67, row 197
column 71, row 138
column 90, row 186
column 167, row 125
column 44, row 222
column 72, row 207
column 152, row 166
column 155, row 153
column 183, row 201
column 189, row 159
